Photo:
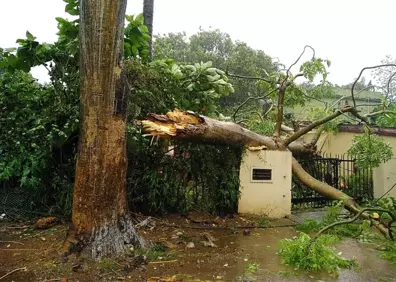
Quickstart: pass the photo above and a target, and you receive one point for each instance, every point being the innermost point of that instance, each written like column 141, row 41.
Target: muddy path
column 198, row 248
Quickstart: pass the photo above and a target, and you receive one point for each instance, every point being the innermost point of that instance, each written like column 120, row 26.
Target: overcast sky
column 351, row 33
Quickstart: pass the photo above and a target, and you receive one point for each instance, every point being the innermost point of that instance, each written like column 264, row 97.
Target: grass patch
column 252, row 268
column 156, row 252
column 107, row 264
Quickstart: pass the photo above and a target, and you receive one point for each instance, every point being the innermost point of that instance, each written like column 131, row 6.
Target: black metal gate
column 339, row 172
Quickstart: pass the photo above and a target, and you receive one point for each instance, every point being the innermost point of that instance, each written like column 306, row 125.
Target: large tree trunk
column 183, row 125
column 148, row 14
column 100, row 221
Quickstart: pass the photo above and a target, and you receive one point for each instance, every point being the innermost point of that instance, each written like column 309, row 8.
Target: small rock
column 43, row 239
column 190, row 245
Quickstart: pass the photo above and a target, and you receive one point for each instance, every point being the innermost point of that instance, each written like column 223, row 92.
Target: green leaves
column 370, row 150
column 72, row 7
column 136, row 40
column 29, row 36
column 204, row 85
column 318, row 255
column 314, row 67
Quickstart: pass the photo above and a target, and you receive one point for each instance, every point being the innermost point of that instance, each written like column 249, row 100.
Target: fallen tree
column 184, row 125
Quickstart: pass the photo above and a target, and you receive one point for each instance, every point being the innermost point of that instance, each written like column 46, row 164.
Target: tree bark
column 187, row 126
column 148, row 14
column 100, row 219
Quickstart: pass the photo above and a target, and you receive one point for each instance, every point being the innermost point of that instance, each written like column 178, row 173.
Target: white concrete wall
column 273, row 197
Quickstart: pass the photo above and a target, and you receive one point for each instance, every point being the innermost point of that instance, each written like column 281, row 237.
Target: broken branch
column 351, row 220
column 317, row 123
column 360, row 74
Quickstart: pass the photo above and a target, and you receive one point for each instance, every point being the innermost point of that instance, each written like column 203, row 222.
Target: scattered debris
column 76, row 267
column 164, row 279
column 190, row 245
column 134, row 262
column 11, row 272
column 208, row 240
column 147, row 223
column 46, row 222
column 11, row 242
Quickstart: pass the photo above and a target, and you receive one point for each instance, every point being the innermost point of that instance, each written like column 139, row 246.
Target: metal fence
column 337, row 171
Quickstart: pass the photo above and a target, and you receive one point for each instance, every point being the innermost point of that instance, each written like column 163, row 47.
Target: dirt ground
column 197, row 247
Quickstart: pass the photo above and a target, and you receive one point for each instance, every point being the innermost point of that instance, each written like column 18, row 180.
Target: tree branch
column 359, row 214
column 287, row 129
column 279, row 114
column 334, row 194
column 378, row 113
column 299, row 57
column 360, row 74
column 248, row 77
column 388, row 84
column 251, row 98
column 316, row 136
column 317, row 123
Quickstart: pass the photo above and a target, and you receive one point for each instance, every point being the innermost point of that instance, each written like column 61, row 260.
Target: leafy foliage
column 305, row 254
column 218, row 47
column 369, row 150
column 38, row 146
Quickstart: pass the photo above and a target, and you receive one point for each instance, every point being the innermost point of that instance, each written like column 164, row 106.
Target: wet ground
column 241, row 254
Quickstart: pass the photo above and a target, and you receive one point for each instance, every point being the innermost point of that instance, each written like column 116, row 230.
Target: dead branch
column 317, row 123
column 360, row 74
column 11, row 272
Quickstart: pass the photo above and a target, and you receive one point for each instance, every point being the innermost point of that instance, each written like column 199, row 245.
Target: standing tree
column 100, row 218
column 148, row 14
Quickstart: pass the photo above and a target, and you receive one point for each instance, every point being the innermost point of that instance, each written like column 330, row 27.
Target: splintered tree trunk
column 100, row 219
column 148, row 14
